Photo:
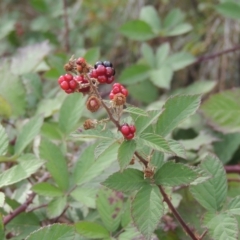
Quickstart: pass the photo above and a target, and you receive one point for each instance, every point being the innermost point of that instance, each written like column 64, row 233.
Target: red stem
column 232, row 169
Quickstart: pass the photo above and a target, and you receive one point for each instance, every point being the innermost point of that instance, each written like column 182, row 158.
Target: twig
column 232, row 169
column 233, row 179
column 66, row 34
column 218, row 54
column 38, row 207
column 177, row 215
column 203, row 235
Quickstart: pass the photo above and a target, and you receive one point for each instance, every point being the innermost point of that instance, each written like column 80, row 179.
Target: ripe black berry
column 107, row 64
column 98, row 63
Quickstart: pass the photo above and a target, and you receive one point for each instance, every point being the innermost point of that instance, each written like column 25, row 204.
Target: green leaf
column 29, row 57
column 54, row 231
column 173, row 18
column 85, row 195
column 180, row 60
column 149, row 15
column 155, row 142
column 56, row 207
column 7, row 26
column 162, row 77
column 176, row 110
column 12, row 92
column 2, row 199
column 157, row 160
column 109, row 205
column 222, row 110
column 5, row 108
column 223, row 226
column 175, row 174
column 179, row 29
column 29, row 131
column 135, row 110
column 20, row 171
column 233, row 207
column 147, row 209
column 103, row 146
column 39, row 5
column 47, row 189
column 229, row 9
column 126, row 153
column 127, row 180
column 212, row 193
column 137, row 30
column 88, row 168
column 3, row 141
column 56, row 163
column 162, row 54
column 135, row 73
column 70, row 112
column 51, row 130
column 227, row 146
column 177, row 148
column 148, row 54
column 92, row 55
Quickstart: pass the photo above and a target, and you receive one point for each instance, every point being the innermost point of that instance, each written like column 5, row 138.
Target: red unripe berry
column 117, row 85
column 111, row 95
column 61, row 79
column 68, row 77
column 64, row 85
column 101, row 70
column 115, row 90
column 109, row 71
column 102, row 79
column 125, row 130
column 93, row 74
column 129, row 136
column 132, row 129
column 110, row 79
column 80, row 61
column 69, row 91
column 124, row 91
column 73, row 84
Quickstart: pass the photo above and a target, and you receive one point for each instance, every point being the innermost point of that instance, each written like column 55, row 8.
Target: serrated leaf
column 233, row 207
column 134, row 74
column 20, row 171
column 109, row 205
column 157, row 160
column 54, row 231
column 147, row 209
column 222, row 110
column 103, row 146
column 180, row 60
column 56, row 207
column 148, row 55
column 47, row 189
column 12, row 91
column 85, row 195
column 175, row 174
column 173, row 18
column 28, row 58
column 176, row 110
column 137, row 30
column 149, row 15
column 91, row 230
column 3, row 141
column 223, row 226
column 29, row 131
column 212, row 193
column 71, row 112
column 126, row 153
column 127, row 180
column 162, row 77
column 88, row 168
column 229, row 9
column 162, row 54
column 177, row 148
column 5, row 108
column 179, row 29
column 92, row 55
column 155, row 142
column 135, row 110
column 56, row 163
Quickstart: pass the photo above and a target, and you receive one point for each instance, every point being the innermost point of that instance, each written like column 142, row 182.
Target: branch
column 232, row 169
column 66, row 34
column 177, row 215
column 218, row 54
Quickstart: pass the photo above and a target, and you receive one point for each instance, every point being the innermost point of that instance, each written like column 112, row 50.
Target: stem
column 177, row 215
column 66, row 34
column 232, row 169
column 218, row 54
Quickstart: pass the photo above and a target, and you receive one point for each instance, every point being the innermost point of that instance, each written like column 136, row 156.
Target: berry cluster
column 128, row 131
column 103, row 72
column 83, row 84
column 116, row 89
column 67, row 83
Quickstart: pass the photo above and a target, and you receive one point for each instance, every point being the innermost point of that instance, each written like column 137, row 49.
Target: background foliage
column 168, row 54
